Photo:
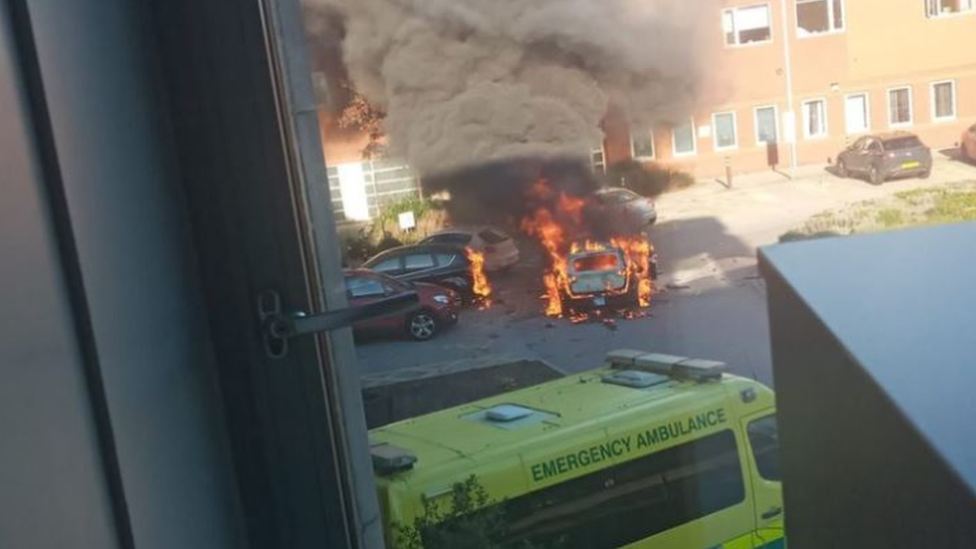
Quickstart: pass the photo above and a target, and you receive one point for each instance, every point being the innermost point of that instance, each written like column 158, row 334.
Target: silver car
column 626, row 211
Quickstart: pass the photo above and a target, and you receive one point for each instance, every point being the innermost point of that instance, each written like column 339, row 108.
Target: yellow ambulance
column 648, row 451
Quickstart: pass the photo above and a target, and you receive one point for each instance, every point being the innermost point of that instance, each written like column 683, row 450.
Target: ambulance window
column 764, row 438
column 620, row 505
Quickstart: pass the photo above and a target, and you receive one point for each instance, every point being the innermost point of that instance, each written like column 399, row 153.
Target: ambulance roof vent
column 667, row 365
column 507, row 412
column 635, row 379
column 389, row 459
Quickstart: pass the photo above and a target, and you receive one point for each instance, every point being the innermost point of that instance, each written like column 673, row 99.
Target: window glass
column 724, row 131
column 818, row 16
column 900, row 106
column 461, row 239
column 907, row 142
column 642, row 144
column 364, row 287
column 764, row 440
column 387, row 265
column 815, row 118
column 444, row 260
column 597, row 161
column 684, row 139
column 766, row 125
column 942, row 8
column 635, row 500
column 492, row 236
column 944, row 100
column 418, row 261
column 746, row 25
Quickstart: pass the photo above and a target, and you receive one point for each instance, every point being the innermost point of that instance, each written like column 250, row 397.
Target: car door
column 363, row 290
column 857, row 158
column 419, row 266
column 763, row 443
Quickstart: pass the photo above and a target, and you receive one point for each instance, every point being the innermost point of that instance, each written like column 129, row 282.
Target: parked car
column 442, row 264
column 438, row 306
column 619, row 211
column 499, row 248
column 967, row 144
column 883, row 156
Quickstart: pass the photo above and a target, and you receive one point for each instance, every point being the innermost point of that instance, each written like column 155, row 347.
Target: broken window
column 900, row 106
column 683, row 137
column 818, row 16
column 815, row 118
column 642, row 145
column 724, row 130
column 942, row 8
column 747, row 25
column 944, row 100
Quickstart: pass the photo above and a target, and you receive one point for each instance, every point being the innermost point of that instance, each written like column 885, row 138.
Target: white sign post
column 407, row 221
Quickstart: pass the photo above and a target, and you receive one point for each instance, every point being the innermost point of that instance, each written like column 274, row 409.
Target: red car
column 438, row 306
column 967, row 144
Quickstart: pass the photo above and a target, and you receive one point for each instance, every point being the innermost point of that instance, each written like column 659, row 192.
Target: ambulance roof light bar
column 678, row 367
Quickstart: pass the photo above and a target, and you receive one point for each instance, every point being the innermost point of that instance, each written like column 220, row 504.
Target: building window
column 857, row 113
column 819, row 16
column 747, row 25
column 683, row 139
column 598, row 160
column 943, row 8
column 814, row 118
column 765, row 125
column 724, row 131
column 944, row 100
column 900, row 107
column 642, row 145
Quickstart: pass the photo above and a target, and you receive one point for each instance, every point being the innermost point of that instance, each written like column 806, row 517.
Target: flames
column 558, row 225
column 481, row 289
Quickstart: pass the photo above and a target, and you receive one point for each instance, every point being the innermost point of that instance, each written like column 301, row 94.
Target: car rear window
column 450, row 238
column 596, row 262
column 899, row 143
column 492, row 236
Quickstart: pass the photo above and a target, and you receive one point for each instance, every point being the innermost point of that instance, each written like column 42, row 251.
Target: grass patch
column 953, row 203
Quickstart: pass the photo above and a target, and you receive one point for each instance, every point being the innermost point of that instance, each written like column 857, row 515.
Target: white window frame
column 755, row 121
column 911, row 107
column 603, row 159
column 735, row 131
column 830, row 19
column 694, row 141
column 968, row 11
column 732, row 10
column 867, row 112
column 633, row 152
column 932, row 105
column 806, row 125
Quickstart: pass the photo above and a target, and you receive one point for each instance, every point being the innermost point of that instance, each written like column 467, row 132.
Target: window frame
column 735, row 131
column 755, row 120
column 633, row 150
column 867, row 112
column 961, row 13
column 911, row 106
column 694, row 141
column 761, row 468
column 737, row 44
column 831, row 18
column 602, row 164
column 806, row 126
column 933, row 105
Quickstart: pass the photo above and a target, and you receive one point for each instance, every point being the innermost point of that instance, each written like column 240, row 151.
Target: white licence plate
column 599, row 301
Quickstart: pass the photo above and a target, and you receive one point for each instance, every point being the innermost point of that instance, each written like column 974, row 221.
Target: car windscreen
column 901, row 143
column 492, row 236
column 596, row 262
column 450, row 238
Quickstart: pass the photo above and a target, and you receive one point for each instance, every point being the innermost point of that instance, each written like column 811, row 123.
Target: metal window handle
column 772, row 513
column 279, row 327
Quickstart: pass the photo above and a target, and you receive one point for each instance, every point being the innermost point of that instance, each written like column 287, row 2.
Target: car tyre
column 925, row 174
column 875, row 176
column 842, row 169
column 422, row 325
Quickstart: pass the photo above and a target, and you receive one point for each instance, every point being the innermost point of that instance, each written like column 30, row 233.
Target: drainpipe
column 788, row 68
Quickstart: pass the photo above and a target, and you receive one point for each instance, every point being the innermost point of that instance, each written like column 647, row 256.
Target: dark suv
column 441, row 264
column 880, row 157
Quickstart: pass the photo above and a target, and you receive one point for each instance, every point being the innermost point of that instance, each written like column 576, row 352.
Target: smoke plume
column 470, row 81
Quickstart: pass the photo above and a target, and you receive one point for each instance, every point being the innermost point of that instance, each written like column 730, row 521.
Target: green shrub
column 647, row 180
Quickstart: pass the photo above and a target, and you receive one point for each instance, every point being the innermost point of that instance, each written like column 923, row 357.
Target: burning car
column 599, row 274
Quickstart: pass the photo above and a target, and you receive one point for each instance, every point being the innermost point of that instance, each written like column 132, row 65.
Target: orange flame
column 482, row 289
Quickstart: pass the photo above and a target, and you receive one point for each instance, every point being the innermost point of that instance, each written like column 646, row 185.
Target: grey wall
column 149, row 339
column 52, row 487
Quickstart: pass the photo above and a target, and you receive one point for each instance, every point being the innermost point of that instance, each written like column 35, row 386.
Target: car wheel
column 422, row 325
column 925, row 174
column 875, row 176
column 842, row 169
